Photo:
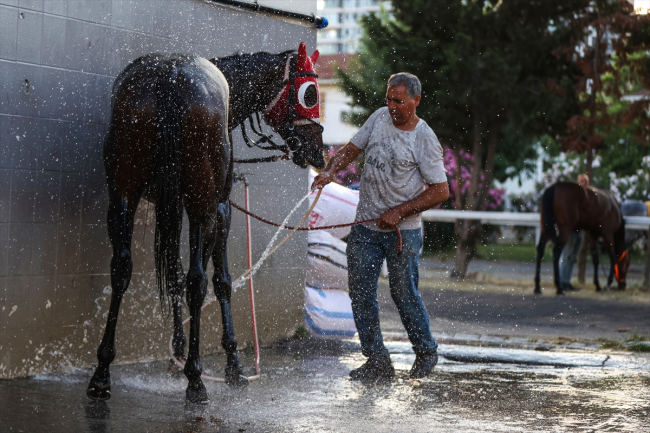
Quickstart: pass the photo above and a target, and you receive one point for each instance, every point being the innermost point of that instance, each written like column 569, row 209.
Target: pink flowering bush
column 350, row 176
column 495, row 196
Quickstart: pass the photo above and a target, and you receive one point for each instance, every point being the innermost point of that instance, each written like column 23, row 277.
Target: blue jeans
column 366, row 252
column 569, row 256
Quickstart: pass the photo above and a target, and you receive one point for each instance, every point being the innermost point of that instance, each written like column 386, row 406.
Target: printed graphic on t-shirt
column 398, row 165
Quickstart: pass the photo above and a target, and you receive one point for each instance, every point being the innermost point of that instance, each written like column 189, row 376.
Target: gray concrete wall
column 54, row 249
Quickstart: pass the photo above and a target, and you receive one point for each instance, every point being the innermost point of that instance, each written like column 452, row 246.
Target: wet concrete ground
column 496, row 387
column 305, row 388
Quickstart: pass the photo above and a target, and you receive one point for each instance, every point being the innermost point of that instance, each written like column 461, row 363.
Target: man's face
column 400, row 106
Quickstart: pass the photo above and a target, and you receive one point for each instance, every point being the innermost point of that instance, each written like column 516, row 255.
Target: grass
column 514, row 252
column 636, row 337
column 606, row 343
column 518, row 252
column 638, row 347
column 633, row 343
column 301, row 332
column 565, row 340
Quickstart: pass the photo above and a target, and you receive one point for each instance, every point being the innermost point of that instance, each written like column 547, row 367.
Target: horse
column 170, row 141
column 573, row 207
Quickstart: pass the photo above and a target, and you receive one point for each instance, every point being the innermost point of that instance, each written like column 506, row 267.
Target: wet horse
column 570, row 206
column 170, row 140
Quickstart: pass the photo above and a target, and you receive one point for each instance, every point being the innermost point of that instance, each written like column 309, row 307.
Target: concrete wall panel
column 58, row 61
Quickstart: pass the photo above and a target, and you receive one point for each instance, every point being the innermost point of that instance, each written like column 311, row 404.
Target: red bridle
column 297, row 101
column 616, row 273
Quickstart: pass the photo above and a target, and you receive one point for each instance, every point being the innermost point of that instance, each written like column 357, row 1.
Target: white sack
column 328, row 313
column 328, row 264
column 337, row 205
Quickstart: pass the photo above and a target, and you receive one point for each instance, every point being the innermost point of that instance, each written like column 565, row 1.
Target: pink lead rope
column 399, row 234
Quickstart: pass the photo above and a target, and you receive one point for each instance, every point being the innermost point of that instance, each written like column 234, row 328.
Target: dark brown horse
column 570, row 206
column 170, row 140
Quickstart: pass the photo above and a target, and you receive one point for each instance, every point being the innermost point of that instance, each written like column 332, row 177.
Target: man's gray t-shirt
column 398, row 165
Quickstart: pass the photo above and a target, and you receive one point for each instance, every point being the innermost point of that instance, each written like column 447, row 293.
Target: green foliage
column 301, row 332
column 494, row 81
column 482, row 64
column 638, row 347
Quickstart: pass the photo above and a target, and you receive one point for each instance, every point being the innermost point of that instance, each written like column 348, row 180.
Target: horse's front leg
column 201, row 245
column 120, row 231
column 612, row 262
column 223, row 289
column 596, row 259
column 541, row 246
column 178, row 339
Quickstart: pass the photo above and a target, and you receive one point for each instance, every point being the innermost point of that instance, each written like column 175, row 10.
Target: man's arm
column 431, row 197
column 339, row 161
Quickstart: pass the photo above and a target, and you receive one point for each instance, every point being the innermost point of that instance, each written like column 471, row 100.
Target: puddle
column 299, row 393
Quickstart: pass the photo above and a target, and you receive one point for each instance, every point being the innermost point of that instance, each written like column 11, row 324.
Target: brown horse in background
column 570, row 206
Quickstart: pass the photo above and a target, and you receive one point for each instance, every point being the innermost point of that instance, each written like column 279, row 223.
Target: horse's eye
column 308, row 95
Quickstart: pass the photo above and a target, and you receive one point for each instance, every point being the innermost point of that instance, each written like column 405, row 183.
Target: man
column 572, row 248
column 402, row 157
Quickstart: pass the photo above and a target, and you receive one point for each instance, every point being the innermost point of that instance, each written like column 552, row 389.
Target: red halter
column 616, row 266
column 299, row 98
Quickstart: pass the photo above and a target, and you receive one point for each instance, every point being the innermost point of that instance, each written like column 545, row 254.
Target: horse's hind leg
column 223, row 289
column 120, row 230
column 178, row 340
column 202, row 235
column 541, row 245
column 612, row 261
column 560, row 242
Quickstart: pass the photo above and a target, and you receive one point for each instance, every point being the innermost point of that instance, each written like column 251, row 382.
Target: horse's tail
column 169, row 172
column 548, row 212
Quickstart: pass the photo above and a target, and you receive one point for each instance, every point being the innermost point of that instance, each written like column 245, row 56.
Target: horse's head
column 295, row 111
column 622, row 256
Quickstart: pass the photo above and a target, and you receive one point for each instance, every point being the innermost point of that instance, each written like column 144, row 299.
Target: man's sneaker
column 378, row 367
column 423, row 365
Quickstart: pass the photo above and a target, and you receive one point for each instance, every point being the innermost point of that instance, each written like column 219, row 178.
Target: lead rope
column 257, row 217
column 249, row 274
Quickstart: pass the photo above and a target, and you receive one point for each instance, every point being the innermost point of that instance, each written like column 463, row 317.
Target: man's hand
column 322, row 179
column 339, row 161
column 429, row 198
column 389, row 219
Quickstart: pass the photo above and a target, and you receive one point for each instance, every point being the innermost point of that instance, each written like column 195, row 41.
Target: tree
column 493, row 82
column 612, row 59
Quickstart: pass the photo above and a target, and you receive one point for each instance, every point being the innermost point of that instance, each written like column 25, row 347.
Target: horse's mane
column 242, row 70
column 238, row 57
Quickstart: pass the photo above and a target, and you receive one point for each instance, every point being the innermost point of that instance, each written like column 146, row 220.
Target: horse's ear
column 314, row 57
column 302, row 53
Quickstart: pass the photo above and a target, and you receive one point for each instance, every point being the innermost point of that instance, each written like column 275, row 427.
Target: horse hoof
column 196, row 393
column 236, row 379
column 537, row 291
column 98, row 391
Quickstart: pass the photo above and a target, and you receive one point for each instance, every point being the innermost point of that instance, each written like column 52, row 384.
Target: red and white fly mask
column 297, row 102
